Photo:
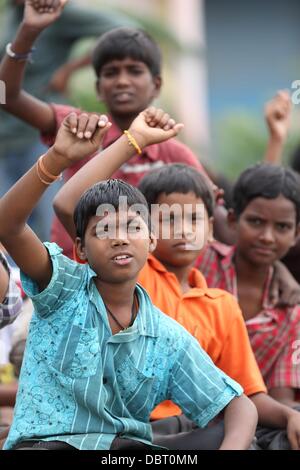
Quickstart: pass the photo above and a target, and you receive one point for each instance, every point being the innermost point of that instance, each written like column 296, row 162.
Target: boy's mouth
column 122, row 97
column 122, row 259
column 184, row 246
column 264, row 251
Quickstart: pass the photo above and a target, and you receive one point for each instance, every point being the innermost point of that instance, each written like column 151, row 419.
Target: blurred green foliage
column 240, row 140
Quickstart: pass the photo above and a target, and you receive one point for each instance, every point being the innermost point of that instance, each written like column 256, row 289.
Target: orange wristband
column 46, row 173
column 42, row 172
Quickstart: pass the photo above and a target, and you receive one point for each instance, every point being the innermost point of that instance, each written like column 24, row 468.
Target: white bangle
column 20, row 57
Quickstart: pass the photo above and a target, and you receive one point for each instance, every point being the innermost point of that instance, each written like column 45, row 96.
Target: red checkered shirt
column 274, row 332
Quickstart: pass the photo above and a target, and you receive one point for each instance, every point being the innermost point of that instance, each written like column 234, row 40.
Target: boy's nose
column 123, row 78
column 120, row 239
column 267, row 235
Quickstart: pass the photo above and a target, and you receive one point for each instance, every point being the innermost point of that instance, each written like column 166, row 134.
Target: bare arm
column 4, row 281
column 284, row 395
column 240, row 420
column 277, row 116
column 284, row 289
column 18, row 102
column 60, row 79
column 107, row 162
column 15, row 207
column 276, row 415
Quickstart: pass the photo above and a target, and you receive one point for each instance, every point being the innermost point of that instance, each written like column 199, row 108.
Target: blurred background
column 222, row 61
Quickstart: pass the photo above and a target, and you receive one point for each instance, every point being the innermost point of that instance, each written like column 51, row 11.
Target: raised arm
column 15, row 207
column 277, row 116
column 151, row 126
column 18, row 102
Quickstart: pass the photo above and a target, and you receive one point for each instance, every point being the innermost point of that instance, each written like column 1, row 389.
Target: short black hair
column 120, row 43
column 267, row 181
column 106, row 192
column 177, row 178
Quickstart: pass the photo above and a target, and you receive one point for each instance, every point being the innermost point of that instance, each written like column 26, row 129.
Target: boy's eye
column 136, row 71
column 109, row 73
column 283, row 226
column 133, row 228
column 255, row 222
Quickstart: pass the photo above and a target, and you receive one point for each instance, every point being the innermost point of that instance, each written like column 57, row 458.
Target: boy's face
column 184, row 229
column 265, row 230
column 127, row 86
column 116, row 246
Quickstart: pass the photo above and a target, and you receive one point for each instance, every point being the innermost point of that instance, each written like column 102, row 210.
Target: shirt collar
column 196, row 280
column 152, row 152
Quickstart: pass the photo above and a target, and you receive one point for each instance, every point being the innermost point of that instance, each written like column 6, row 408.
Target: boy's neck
column 117, row 296
column 182, row 274
column 248, row 272
column 123, row 122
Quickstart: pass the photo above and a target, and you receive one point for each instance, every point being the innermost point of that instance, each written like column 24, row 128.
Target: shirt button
column 104, row 380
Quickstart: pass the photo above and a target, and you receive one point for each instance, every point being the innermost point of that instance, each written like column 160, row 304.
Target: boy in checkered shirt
column 10, row 295
column 265, row 217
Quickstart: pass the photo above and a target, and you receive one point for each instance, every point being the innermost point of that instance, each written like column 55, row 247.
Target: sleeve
column 237, row 358
column 78, row 23
column 198, row 386
column 183, row 154
column 61, row 111
column 286, row 369
column 67, row 278
column 12, row 303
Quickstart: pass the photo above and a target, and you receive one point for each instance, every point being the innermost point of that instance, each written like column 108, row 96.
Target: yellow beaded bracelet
column 133, row 142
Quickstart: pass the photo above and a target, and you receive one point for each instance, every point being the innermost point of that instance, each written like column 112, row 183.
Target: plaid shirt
column 274, row 332
column 12, row 304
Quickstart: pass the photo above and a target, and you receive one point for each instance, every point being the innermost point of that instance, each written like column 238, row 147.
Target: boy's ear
column 297, row 234
column 153, row 242
column 98, row 89
column 210, row 237
column 157, row 80
column 231, row 219
column 80, row 249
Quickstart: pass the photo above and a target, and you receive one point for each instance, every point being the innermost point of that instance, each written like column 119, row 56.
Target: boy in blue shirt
column 99, row 355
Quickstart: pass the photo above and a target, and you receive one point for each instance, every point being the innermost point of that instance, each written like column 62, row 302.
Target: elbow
column 60, row 207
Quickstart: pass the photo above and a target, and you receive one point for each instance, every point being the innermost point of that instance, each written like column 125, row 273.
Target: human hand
column 278, row 115
column 284, row 289
column 293, row 430
column 153, row 126
column 79, row 136
column 39, row 14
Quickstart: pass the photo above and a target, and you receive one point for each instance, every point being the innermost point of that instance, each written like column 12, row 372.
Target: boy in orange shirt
column 213, row 316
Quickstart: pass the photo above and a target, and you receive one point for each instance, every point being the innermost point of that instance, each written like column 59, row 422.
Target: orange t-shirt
column 213, row 317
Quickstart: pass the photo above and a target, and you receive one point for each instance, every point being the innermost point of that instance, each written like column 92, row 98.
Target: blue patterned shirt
column 82, row 385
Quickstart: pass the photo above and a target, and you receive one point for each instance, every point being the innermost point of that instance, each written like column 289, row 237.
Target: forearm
column 240, row 420
column 18, row 203
column 274, row 151
column 77, row 64
column 284, row 395
column 8, row 394
column 12, row 71
column 271, row 413
column 100, row 168
column 4, row 282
